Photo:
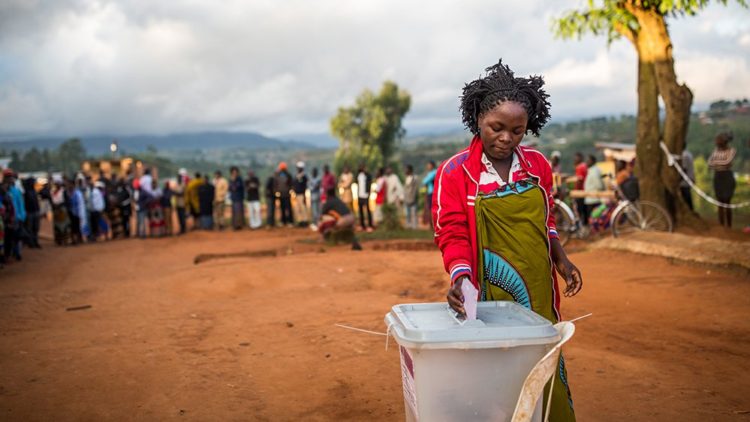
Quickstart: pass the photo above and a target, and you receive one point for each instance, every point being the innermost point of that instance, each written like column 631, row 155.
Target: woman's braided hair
column 500, row 85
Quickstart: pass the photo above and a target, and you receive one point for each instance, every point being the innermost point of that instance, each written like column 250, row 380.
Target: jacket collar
column 474, row 166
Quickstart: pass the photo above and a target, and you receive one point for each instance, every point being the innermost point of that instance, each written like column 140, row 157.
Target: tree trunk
column 648, row 161
column 657, row 49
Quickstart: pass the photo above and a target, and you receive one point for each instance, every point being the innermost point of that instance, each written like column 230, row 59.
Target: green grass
column 403, row 234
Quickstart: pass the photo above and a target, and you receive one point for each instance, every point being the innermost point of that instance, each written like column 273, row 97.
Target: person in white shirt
column 411, row 195
column 145, row 194
column 98, row 225
column 364, row 181
column 395, row 195
column 593, row 184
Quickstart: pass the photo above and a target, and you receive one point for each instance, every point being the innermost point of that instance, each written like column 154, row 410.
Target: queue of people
column 83, row 209
column 300, row 199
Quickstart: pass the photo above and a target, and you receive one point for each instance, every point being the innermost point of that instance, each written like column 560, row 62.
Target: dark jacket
column 271, row 187
column 206, row 194
column 253, row 189
column 123, row 199
column 236, row 190
column 283, row 184
column 299, row 185
column 30, row 200
column 166, row 198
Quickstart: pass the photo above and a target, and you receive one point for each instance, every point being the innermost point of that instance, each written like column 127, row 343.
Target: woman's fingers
column 574, row 282
column 578, row 281
column 456, row 298
column 456, row 305
column 568, row 285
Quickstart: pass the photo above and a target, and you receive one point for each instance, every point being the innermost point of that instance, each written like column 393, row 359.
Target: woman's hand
column 456, row 298
column 569, row 272
column 571, row 275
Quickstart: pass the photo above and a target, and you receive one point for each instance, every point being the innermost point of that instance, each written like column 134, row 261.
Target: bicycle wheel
column 641, row 216
column 565, row 223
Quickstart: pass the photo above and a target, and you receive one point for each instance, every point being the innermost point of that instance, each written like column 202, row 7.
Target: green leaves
column 369, row 130
column 615, row 18
column 606, row 17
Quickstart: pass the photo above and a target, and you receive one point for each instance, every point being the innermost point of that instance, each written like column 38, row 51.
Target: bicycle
column 624, row 216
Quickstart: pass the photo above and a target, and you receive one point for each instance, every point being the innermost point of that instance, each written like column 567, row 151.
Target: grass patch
column 401, row 234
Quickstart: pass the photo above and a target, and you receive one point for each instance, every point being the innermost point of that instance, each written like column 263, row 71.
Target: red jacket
column 456, row 188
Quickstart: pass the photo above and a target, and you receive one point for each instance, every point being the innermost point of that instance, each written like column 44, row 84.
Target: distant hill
column 320, row 140
column 581, row 135
column 100, row 144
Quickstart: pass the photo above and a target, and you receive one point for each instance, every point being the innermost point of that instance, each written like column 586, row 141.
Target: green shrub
column 391, row 218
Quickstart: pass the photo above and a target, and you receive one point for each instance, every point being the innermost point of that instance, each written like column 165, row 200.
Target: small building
column 111, row 167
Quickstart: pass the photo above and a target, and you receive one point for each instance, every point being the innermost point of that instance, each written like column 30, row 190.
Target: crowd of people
column 86, row 209
column 302, row 197
column 589, row 179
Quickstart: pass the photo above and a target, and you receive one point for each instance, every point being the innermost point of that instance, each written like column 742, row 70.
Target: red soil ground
column 252, row 336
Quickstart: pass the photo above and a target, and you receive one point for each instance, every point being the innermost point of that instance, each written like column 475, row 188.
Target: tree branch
column 626, row 32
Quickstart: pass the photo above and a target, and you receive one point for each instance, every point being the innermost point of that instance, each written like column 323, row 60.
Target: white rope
column 581, row 317
column 387, row 334
column 671, row 161
column 360, row 330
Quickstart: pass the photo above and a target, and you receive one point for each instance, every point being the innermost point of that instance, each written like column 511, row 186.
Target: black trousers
column 75, row 229
column 32, row 226
column 687, row 195
column 286, row 210
column 271, row 212
column 125, row 213
column 182, row 219
column 364, row 207
column 11, row 238
column 95, row 224
column 583, row 211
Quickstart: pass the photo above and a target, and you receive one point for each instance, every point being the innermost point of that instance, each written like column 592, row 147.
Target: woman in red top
column 492, row 208
column 381, row 188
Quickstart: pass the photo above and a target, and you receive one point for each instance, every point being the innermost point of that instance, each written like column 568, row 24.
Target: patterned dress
column 514, row 261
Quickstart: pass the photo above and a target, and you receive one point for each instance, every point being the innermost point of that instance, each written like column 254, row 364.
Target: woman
column 60, row 218
column 492, row 207
column 381, row 189
column 721, row 162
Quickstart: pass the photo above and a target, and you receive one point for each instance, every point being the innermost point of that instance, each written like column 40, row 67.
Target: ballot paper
column 470, row 299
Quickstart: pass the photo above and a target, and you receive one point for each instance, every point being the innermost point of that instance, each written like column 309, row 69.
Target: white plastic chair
column 542, row 372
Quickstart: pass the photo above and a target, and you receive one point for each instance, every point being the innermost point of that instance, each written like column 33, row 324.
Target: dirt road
column 253, row 338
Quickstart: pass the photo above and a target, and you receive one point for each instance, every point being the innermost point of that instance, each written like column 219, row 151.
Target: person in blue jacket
column 429, row 182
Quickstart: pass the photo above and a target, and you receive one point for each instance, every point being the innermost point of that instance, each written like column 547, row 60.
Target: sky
column 281, row 67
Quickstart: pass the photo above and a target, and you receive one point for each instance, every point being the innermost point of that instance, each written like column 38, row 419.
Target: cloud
column 729, row 77
column 86, row 66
